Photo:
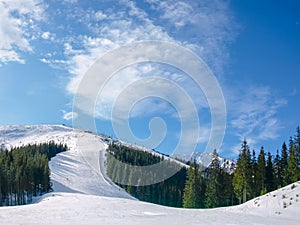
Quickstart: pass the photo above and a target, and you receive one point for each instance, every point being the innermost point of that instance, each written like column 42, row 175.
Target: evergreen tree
column 242, row 174
column 297, row 145
column 284, row 165
column 278, row 180
column 292, row 169
column 269, row 174
column 261, row 172
column 254, row 173
column 192, row 195
column 213, row 188
column 168, row 192
column 24, row 172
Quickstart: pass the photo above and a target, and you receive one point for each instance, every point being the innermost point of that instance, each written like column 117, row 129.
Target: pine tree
column 24, row 172
column 213, row 188
column 254, row 173
column 242, row 174
column 261, row 172
column 269, row 174
column 192, row 196
column 292, row 169
column 284, row 165
column 297, row 145
column 276, row 171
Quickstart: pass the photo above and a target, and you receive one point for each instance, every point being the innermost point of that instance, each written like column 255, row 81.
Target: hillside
column 83, row 196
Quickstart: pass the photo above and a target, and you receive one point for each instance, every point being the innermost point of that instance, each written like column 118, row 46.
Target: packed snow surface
column 83, row 194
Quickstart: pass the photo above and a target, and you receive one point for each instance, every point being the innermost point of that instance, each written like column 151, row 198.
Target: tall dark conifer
column 261, row 172
column 213, row 191
column 284, row 165
column 193, row 196
column 292, row 169
column 276, row 171
column 242, row 175
column 269, row 174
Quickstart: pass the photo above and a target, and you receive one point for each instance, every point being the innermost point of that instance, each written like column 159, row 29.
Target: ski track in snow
column 83, row 194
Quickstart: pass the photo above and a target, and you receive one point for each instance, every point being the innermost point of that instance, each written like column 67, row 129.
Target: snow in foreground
column 75, row 208
column 83, row 196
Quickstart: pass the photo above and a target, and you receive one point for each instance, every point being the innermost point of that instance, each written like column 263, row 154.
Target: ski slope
column 83, row 195
column 71, row 171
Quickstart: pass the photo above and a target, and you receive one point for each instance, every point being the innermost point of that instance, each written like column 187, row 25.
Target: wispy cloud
column 69, row 115
column 16, row 18
column 208, row 26
column 134, row 24
column 125, row 23
column 253, row 113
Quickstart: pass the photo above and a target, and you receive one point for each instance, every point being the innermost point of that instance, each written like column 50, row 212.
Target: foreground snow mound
column 75, row 208
column 284, row 201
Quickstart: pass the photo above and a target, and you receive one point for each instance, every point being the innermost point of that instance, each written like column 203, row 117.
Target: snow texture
column 83, row 195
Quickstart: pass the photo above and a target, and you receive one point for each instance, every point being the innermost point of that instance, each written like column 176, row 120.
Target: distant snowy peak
column 226, row 164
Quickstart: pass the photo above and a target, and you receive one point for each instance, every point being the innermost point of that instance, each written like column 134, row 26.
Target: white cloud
column 15, row 18
column 118, row 30
column 46, row 35
column 208, row 26
column 69, row 115
column 254, row 113
column 99, row 15
column 178, row 13
column 107, row 29
column 9, row 56
column 70, row 1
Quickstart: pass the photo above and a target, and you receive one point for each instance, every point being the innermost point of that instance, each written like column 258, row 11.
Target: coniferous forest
column 168, row 192
column 24, row 172
column 195, row 187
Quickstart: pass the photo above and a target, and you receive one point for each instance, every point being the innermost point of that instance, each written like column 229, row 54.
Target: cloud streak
column 254, row 114
column 16, row 18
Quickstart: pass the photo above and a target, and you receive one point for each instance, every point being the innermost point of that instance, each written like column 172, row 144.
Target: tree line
column 212, row 187
column 254, row 177
column 24, row 172
column 196, row 187
column 168, row 192
column 208, row 187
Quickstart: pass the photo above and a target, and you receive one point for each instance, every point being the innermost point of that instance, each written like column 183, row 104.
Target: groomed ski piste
column 83, row 194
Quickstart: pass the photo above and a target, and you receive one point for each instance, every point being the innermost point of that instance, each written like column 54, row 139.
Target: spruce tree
column 254, row 173
column 269, row 174
column 292, row 169
column 297, row 145
column 261, row 172
column 276, row 171
column 284, row 165
column 192, row 195
column 242, row 174
column 213, row 188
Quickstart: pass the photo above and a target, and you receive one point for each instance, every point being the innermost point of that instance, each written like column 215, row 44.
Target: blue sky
column 251, row 47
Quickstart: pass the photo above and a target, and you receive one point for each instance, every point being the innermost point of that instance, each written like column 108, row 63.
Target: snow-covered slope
column 84, row 196
column 75, row 208
column 18, row 135
column 70, row 171
column 285, row 201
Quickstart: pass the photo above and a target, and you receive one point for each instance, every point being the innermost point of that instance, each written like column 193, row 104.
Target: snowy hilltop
column 83, row 195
